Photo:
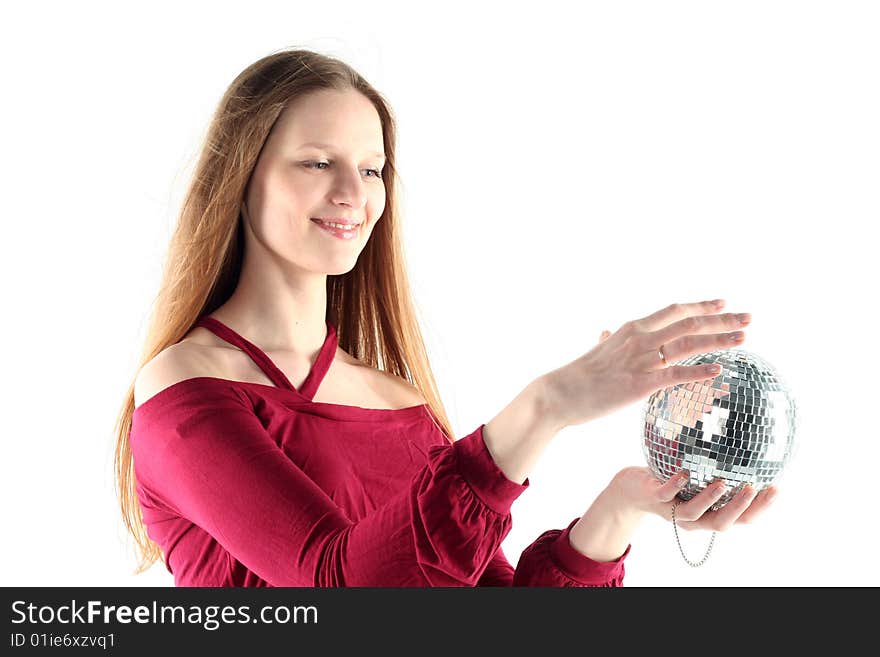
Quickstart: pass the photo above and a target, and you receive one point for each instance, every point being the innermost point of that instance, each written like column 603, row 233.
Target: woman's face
column 294, row 184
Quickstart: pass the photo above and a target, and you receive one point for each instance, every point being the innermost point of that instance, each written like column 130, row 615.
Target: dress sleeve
column 203, row 453
column 552, row 561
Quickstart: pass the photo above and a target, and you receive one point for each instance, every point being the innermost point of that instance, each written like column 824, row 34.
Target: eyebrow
column 328, row 146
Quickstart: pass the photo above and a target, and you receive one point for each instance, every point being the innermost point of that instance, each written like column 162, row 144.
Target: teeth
column 341, row 226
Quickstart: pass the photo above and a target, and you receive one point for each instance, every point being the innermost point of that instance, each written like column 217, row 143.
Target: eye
column 377, row 173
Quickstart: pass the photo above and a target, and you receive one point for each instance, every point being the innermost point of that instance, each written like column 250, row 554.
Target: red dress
column 248, row 484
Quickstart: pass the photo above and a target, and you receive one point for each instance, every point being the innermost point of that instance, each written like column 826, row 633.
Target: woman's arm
column 518, row 435
column 603, row 532
column 623, row 368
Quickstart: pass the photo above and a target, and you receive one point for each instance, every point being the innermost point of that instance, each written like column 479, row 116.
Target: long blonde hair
column 370, row 306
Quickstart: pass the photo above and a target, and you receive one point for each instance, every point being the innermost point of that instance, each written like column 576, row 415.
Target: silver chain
column 695, row 564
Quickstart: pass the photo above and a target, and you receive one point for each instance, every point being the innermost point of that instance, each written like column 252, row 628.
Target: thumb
column 670, row 488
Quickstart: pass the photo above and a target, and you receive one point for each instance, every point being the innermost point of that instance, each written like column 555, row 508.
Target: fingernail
column 683, row 479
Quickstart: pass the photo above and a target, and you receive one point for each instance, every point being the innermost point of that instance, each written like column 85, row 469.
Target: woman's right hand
column 626, row 366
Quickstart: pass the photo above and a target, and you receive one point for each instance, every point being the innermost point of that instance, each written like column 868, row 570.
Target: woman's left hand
column 637, row 490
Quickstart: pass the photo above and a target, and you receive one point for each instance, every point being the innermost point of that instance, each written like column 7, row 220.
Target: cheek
column 295, row 183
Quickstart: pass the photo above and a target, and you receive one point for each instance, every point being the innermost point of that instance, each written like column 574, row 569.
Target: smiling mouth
column 340, row 226
column 346, row 232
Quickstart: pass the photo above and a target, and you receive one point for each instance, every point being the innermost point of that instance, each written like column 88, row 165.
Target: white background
column 564, row 170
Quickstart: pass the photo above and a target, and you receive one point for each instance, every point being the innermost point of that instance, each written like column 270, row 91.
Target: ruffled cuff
column 459, row 513
column 483, row 475
column 582, row 568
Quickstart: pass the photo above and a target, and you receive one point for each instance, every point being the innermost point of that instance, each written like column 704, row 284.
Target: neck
column 291, row 319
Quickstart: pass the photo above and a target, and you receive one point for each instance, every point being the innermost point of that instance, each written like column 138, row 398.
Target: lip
column 343, row 234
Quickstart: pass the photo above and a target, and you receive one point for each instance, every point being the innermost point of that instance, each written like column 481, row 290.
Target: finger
column 674, row 374
column 763, row 500
column 719, row 324
column 700, row 503
column 692, row 345
column 678, row 311
column 724, row 518
column 670, row 488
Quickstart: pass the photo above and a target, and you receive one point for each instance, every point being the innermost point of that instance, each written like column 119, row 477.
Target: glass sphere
column 739, row 426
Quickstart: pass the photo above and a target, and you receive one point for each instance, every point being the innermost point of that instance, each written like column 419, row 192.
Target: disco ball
column 738, row 426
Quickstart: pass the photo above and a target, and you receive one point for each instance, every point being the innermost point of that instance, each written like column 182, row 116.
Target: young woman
column 284, row 428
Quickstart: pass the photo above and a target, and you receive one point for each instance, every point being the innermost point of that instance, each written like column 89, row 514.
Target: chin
column 339, row 270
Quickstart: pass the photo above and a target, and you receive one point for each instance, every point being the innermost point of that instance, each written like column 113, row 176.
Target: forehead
column 345, row 119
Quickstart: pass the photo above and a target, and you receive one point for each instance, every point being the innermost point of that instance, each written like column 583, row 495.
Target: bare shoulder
column 401, row 391
column 355, row 382
column 173, row 364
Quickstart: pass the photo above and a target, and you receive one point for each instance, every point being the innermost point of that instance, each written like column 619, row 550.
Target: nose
column 349, row 189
